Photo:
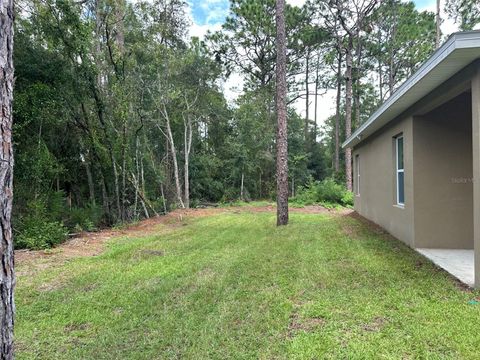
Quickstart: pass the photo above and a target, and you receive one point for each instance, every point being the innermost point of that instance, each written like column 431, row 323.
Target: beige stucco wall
column 442, row 165
column 438, row 210
column 377, row 181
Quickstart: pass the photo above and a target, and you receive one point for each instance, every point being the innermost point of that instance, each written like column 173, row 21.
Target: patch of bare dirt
column 76, row 327
column 148, row 253
column 375, row 325
column 298, row 324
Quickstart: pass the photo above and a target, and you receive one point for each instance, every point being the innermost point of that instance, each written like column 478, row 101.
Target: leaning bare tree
column 282, row 143
column 7, row 275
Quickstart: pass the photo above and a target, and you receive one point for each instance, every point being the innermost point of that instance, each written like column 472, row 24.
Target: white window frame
column 398, row 171
column 357, row 173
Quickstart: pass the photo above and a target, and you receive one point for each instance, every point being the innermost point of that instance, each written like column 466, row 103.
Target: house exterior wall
column 442, row 165
column 438, row 210
column 377, row 196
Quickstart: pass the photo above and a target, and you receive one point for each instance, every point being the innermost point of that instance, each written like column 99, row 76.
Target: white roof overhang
column 458, row 51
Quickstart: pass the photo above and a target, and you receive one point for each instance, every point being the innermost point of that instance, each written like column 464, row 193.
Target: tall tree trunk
column 438, row 22
column 7, row 273
column 117, row 189
column 380, row 72
column 137, row 177
column 120, row 33
column 316, row 100
column 348, row 112
column 163, row 199
column 105, row 201
column 357, row 81
column 337, row 111
column 187, row 123
column 124, row 170
column 91, row 188
column 241, row 187
column 307, row 96
column 173, row 152
column 391, row 79
column 380, row 81
column 392, row 51
column 282, row 141
column 98, row 41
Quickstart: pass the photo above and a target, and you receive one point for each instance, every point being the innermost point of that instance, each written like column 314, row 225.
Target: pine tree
column 282, row 141
column 7, row 275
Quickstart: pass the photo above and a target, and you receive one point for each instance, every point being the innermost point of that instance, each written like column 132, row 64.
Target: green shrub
column 84, row 219
column 347, row 198
column 327, row 192
column 38, row 234
column 37, row 230
column 40, row 227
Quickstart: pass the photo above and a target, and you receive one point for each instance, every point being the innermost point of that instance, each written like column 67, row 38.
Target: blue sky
column 424, row 3
column 211, row 12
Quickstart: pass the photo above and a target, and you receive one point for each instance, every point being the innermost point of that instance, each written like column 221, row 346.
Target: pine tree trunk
column 438, row 22
column 348, row 113
column 357, row 82
column 337, row 113
column 282, row 142
column 380, row 81
column 391, row 65
column 380, row 74
column 391, row 79
column 307, row 97
column 7, row 275
column 316, row 101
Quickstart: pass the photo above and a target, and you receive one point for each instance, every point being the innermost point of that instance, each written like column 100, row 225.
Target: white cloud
column 233, row 87
column 298, row 3
column 201, row 30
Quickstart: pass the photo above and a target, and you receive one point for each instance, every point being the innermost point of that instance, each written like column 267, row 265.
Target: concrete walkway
column 457, row 262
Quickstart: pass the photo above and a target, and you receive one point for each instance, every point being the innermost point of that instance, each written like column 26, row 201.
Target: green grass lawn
column 232, row 285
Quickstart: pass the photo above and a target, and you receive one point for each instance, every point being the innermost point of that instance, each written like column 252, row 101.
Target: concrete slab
column 459, row 263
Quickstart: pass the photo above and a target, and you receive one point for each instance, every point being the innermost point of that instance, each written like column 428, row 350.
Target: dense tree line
column 119, row 115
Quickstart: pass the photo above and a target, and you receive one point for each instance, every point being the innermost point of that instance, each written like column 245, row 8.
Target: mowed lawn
column 234, row 286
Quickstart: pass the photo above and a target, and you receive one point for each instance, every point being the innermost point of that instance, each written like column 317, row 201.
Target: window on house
column 357, row 174
column 400, row 170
